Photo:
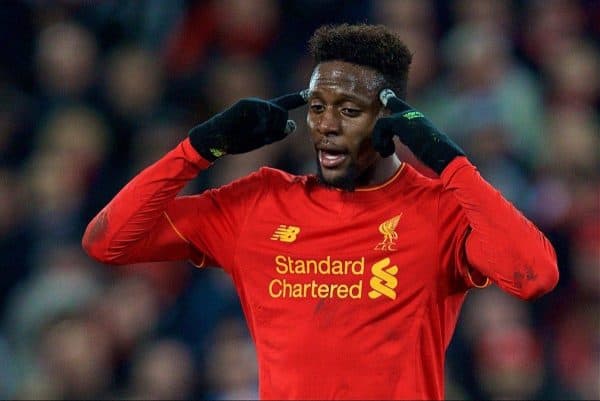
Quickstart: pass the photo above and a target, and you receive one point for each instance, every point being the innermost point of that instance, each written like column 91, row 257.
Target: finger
column 276, row 123
column 383, row 138
column 290, row 126
column 282, row 114
column 385, row 146
column 290, row 101
column 391, row 101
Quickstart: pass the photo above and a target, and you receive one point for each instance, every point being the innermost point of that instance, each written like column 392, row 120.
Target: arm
column 502, row 244
column 135, row 226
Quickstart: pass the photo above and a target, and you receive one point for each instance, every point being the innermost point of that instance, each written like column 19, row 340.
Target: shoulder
column 419, row 183
column 266, row 178
column 428, row 193
column 281, row 177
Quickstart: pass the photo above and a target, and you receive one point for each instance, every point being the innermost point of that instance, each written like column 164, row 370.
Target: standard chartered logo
column 290, row 280
column 384, row 281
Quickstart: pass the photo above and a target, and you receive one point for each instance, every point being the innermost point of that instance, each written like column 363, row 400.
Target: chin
column 345, row 180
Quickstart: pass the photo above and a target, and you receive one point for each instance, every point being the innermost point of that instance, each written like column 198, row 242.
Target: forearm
column 503, row 245
column 127, row 221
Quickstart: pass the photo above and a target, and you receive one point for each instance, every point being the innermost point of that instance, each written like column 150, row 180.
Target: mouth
column 331, row 158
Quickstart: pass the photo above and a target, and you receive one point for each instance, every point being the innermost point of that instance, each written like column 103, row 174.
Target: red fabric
column 346, row 294
column 132, row 228
column 503, row 244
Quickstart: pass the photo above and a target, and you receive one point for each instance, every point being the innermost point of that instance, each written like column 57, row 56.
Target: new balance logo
column 384, row 281
column 285, row 233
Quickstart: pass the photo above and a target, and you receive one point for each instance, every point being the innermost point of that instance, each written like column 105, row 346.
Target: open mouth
column 330, row 158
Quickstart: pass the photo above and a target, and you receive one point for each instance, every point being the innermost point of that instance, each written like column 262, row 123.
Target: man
column 351, row 280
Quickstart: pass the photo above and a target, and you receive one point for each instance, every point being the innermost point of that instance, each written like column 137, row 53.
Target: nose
column 328, row 122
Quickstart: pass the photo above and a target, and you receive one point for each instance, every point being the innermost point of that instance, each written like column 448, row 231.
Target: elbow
column 93, row 248
column 99, row 252
column 92, row 251
column 535, row 282
column 94, row 241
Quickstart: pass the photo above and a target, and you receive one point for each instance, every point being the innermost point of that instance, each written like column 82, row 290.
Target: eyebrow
column 345, row 95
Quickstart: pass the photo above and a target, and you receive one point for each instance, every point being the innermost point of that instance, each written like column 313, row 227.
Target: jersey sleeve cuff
column 455, row 165
column 193, row 156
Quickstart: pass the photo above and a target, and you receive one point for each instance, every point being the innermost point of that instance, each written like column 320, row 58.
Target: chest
column 356, row 254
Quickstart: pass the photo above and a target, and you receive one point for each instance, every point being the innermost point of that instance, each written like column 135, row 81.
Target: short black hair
column 373, row 46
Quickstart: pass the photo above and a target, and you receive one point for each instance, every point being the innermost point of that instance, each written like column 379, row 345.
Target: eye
column 350, row 112
column 317, row 108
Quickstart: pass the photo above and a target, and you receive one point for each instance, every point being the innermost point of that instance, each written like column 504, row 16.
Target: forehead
column 344, row 77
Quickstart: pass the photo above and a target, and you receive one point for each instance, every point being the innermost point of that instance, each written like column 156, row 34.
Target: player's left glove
column 428, row 144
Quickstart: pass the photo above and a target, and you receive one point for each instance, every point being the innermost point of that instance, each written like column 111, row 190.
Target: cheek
column 366, row 153
column 363, row 145
column 311, row 122
column 361, row 134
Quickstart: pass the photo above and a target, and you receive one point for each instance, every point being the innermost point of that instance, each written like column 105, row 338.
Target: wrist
column 454, row 167
column 192, row 156
column 431, row 146
column 207, row 142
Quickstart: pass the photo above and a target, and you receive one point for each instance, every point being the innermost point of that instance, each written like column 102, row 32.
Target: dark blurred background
column 92, row 92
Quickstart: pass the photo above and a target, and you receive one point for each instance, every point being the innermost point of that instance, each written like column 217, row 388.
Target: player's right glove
column 247, row 125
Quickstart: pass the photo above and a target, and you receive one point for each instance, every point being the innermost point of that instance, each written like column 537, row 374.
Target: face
column 343, row 108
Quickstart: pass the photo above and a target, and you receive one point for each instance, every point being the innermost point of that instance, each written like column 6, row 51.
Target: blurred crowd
column 92, row 92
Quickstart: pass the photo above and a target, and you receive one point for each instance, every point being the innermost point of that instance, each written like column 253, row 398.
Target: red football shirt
column 346, row 294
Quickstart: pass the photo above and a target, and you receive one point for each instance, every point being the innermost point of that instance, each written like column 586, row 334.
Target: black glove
column 429, row 144
column 247, row 125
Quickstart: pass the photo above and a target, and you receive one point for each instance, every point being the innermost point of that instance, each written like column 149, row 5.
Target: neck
column 384, row 169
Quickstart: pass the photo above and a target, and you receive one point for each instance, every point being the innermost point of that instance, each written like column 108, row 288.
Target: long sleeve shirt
column 346, row 294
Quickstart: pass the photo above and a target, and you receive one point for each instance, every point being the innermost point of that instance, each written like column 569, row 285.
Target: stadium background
column 91, row 92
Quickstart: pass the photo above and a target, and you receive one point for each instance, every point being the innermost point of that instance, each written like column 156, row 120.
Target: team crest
column 390, row 236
